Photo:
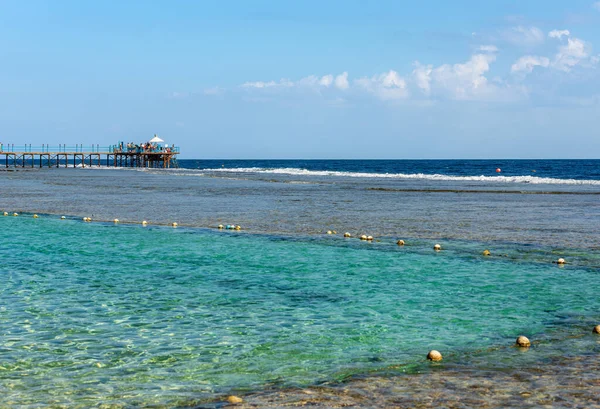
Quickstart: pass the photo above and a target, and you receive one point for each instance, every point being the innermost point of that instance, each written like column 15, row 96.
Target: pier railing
column 139, row 149
column 29, row 148
column 81, row 148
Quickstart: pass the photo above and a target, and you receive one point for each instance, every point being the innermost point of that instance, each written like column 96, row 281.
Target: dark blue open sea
column 287, row 311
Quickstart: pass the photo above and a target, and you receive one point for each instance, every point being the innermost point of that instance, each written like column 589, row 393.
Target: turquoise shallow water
column 96, row 313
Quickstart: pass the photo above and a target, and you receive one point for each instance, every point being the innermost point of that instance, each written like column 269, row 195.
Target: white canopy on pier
column 156, row 139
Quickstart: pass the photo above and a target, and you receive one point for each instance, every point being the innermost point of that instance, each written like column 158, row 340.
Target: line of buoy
column 522, row 342
column 437, row 247
column 89, row 219
column 363, row 237
column 229, row 227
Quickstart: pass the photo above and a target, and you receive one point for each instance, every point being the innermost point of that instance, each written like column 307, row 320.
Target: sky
column 306, row 79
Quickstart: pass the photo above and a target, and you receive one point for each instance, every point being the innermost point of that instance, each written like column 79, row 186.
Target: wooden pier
column 81, row 157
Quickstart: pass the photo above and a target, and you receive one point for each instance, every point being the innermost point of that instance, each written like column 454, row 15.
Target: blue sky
column 306, row 79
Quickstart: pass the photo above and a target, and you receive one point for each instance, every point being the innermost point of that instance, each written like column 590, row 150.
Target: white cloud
column 386, row 86
column 270, row 84
column 326, row 80
column 392, row 80
column 575, row 52
column 559, row 34
column 528, row 62
column 488, row 48
column 341, row 81
column 312, row 81
column 465, row 81
column 524, row 36
column 596, row 5
column 422, row 77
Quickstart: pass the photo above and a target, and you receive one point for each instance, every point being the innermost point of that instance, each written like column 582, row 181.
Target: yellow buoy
column 220, row 227
column 523, row 341
column 144, row 222
column 400, row 242
column 35, row 216
column 370, row 238
column 434, row 355
column 363, row 237
column 437, row 247
column 116, row 220
column 234, row 400
column 596, row 329
column 238, row 227
column 6, row 213
column 174, row 224
column 329, row 232
column 62, row 217
column 347, row 234
column 15, row 214
column 486, row 252
column 560, row 261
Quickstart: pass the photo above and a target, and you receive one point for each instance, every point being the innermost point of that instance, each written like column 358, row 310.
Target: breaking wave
column 435, row 177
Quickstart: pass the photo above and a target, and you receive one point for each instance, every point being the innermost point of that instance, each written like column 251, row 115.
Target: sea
column 286, row 311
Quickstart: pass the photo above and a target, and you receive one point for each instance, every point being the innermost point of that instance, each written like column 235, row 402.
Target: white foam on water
column 423, row 176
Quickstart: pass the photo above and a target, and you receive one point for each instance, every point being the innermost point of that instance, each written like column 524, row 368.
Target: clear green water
column 93, row 313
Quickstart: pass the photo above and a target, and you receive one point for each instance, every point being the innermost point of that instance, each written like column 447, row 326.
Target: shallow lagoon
column 100, row 313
